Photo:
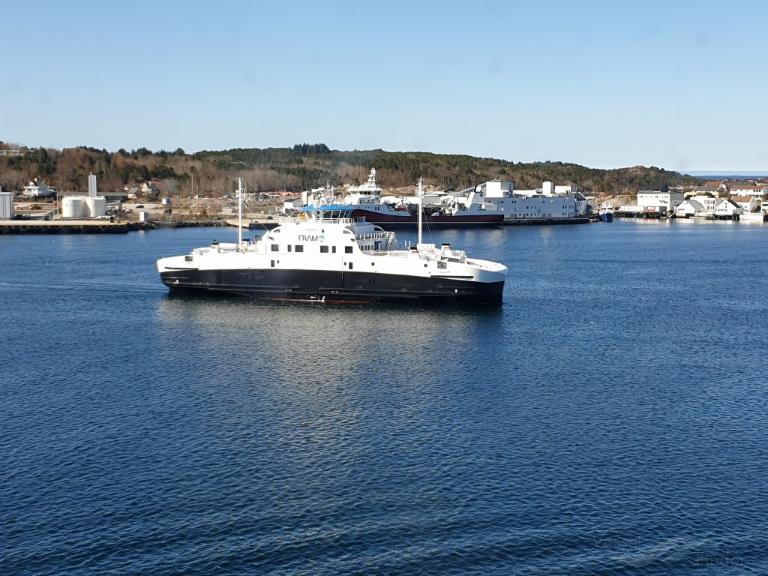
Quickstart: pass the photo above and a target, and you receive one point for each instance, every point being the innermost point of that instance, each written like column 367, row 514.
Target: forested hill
column 305, row 166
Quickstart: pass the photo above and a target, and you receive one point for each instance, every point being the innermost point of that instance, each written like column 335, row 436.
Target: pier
column 94, row 226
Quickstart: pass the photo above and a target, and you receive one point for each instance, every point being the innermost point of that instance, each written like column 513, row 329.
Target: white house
column 708, row 202
column 748, row 189
column 38, row 189
column 748, row 203
column 707, row 189
column 728, row 209
column 663, row 200
column 689, row 208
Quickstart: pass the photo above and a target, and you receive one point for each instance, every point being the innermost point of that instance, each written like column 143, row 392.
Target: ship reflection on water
column 314, row 386
column 326, row 341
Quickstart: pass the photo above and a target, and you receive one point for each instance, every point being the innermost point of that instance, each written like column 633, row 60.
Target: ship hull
column 330, row 286
column 606, row 217
column 409, row 220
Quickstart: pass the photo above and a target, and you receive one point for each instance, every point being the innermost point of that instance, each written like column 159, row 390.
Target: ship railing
column 339, row 220
column 390, row 253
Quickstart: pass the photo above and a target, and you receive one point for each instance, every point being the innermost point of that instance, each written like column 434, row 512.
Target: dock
column 94, row 226
column 64, row 227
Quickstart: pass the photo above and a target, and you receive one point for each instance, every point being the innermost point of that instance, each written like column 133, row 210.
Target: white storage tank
column 72, row 207
column 97, row 206
column 6, row 206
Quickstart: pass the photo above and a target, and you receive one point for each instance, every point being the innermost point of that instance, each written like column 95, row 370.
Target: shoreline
column 95, row 227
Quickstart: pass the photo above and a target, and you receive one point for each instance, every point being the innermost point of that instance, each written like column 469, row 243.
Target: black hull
column 327, row 286
column 411, row 220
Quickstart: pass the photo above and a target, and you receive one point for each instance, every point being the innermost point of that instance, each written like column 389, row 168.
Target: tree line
column 305, row 166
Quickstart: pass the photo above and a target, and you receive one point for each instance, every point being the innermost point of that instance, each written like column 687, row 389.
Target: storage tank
column 72, row 207
column 6, row 206
column 97, row 206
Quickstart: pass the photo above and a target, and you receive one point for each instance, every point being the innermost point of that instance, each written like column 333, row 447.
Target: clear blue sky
column 680, row 85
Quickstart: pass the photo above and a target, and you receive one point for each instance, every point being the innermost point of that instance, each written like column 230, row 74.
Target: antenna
column 239, row 213
column 418, row 194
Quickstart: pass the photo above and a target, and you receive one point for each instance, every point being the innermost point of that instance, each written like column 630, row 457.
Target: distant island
column 302, row 167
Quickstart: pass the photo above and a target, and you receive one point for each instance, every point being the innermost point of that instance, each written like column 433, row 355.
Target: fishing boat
column 450, row 212
column 605, row 214
column 330, row 255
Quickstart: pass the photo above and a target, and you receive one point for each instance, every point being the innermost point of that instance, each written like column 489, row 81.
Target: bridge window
column 299, row 247
column 324, row 250
column 333, row 249
column 275, row 247
column 348, row 249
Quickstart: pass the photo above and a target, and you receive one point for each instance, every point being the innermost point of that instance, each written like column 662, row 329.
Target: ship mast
column 418, row 195
column 239, row 213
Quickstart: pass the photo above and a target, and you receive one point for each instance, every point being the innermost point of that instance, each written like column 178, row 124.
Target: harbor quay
column 93, row 227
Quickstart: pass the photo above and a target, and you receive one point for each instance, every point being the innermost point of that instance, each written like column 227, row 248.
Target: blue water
column 610, row 418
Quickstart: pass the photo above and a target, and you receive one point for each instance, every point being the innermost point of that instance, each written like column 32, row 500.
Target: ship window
column 289, row 247
column 350, row 265
column 299, row 247
column 275, row 248
column 323, row 249
column 333, row 249
column 348, row 249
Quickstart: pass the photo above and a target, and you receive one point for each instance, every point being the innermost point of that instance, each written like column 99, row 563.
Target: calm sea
column 610, row 418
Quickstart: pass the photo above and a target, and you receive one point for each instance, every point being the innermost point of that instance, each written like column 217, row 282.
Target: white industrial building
column 91, row 206
column 6, row 206
column 549, row 202
column 83, row 207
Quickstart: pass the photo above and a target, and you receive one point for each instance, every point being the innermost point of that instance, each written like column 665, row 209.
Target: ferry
column 332, row 256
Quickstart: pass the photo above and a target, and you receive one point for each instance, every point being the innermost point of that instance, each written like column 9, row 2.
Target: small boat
column 605, row 214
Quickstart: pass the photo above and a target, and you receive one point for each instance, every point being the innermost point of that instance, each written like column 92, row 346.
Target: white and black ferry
column 332, row 257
